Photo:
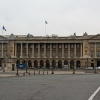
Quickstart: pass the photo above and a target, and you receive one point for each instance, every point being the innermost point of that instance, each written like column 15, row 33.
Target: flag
column 4, row 28
column 46, row 22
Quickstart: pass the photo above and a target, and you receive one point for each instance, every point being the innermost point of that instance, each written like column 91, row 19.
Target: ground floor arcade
column 48, row 63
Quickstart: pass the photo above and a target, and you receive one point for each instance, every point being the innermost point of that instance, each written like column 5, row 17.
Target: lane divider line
column 92, row 96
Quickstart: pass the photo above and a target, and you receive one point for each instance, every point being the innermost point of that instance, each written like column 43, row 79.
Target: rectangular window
column 66, row 46
column 98, row 54
column 77, row 46
column 72, row 46
column 92, row 53
column 91, row 45
column 98, row 45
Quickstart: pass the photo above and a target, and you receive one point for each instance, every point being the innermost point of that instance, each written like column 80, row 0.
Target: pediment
column 3, row 38
column 95, row 37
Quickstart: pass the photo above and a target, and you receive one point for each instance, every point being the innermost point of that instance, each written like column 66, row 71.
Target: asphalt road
column 50, row 87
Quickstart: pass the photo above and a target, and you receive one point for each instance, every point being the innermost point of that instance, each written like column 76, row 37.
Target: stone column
column 38, row 50
column 68, row 50
column 15, row 49
column 81, row 50
column 56, row 63
column 50, row 50
column 75, row 50
column 50, row 63
column 62, row 50
column 95, row 51
column 68, row 64
column 21, row 50
column 2, row 50
column 33, row 51
column 32, row 64
column 62, row 63
column 56, row 50
column 75, row 64
column 44, row 50
column 27, row 50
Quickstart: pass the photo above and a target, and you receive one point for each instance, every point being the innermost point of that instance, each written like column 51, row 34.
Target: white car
column 98, row 67
column 65, row 67
column 0, row 68
column 89, row 68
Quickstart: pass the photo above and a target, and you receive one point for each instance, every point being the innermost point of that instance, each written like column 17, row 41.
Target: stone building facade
column 51, row 51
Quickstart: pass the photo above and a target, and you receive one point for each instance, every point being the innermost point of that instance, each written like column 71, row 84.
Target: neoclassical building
column 50, row 51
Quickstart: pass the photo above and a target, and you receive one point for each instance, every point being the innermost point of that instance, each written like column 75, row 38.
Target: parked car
column 65, row 67
column 89, row 68
column 98, row 67
column 0, row 68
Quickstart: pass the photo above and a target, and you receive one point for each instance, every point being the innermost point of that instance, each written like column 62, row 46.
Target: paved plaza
column 56, row 86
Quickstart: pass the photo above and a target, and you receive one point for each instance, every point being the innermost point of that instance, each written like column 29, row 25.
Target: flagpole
column 45, row 29
column 2, row 31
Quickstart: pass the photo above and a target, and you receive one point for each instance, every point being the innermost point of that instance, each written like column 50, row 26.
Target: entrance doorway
column 41, row 64
column 47, row 64
column 98, row 63
column 78, row 64
column 53, row 63
column 59, row 64
column 71, row 64
column 35, row 64
column 92, row 65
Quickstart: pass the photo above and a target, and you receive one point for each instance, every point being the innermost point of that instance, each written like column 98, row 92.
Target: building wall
column 78, row 52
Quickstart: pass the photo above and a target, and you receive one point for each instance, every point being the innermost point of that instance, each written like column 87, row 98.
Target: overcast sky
column 64, row 17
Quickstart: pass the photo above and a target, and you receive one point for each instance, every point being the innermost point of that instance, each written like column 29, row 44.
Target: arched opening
column 53, row 63
column 78, row 64
column 47, row 64
column 35, row 64
column 59, row 64
column 18, row 62
column 29, row 64
column 71, row 64
column 98, row 63
column 23, row 62
column 65, row 62
column 41, row 64
column 0, row 64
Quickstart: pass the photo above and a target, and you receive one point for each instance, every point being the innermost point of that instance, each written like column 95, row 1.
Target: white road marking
column 92, row 96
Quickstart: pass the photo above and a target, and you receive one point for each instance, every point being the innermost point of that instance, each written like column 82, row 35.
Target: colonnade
column 50, row 50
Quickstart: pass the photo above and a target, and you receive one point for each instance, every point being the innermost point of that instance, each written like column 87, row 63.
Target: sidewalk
column 31, row 72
